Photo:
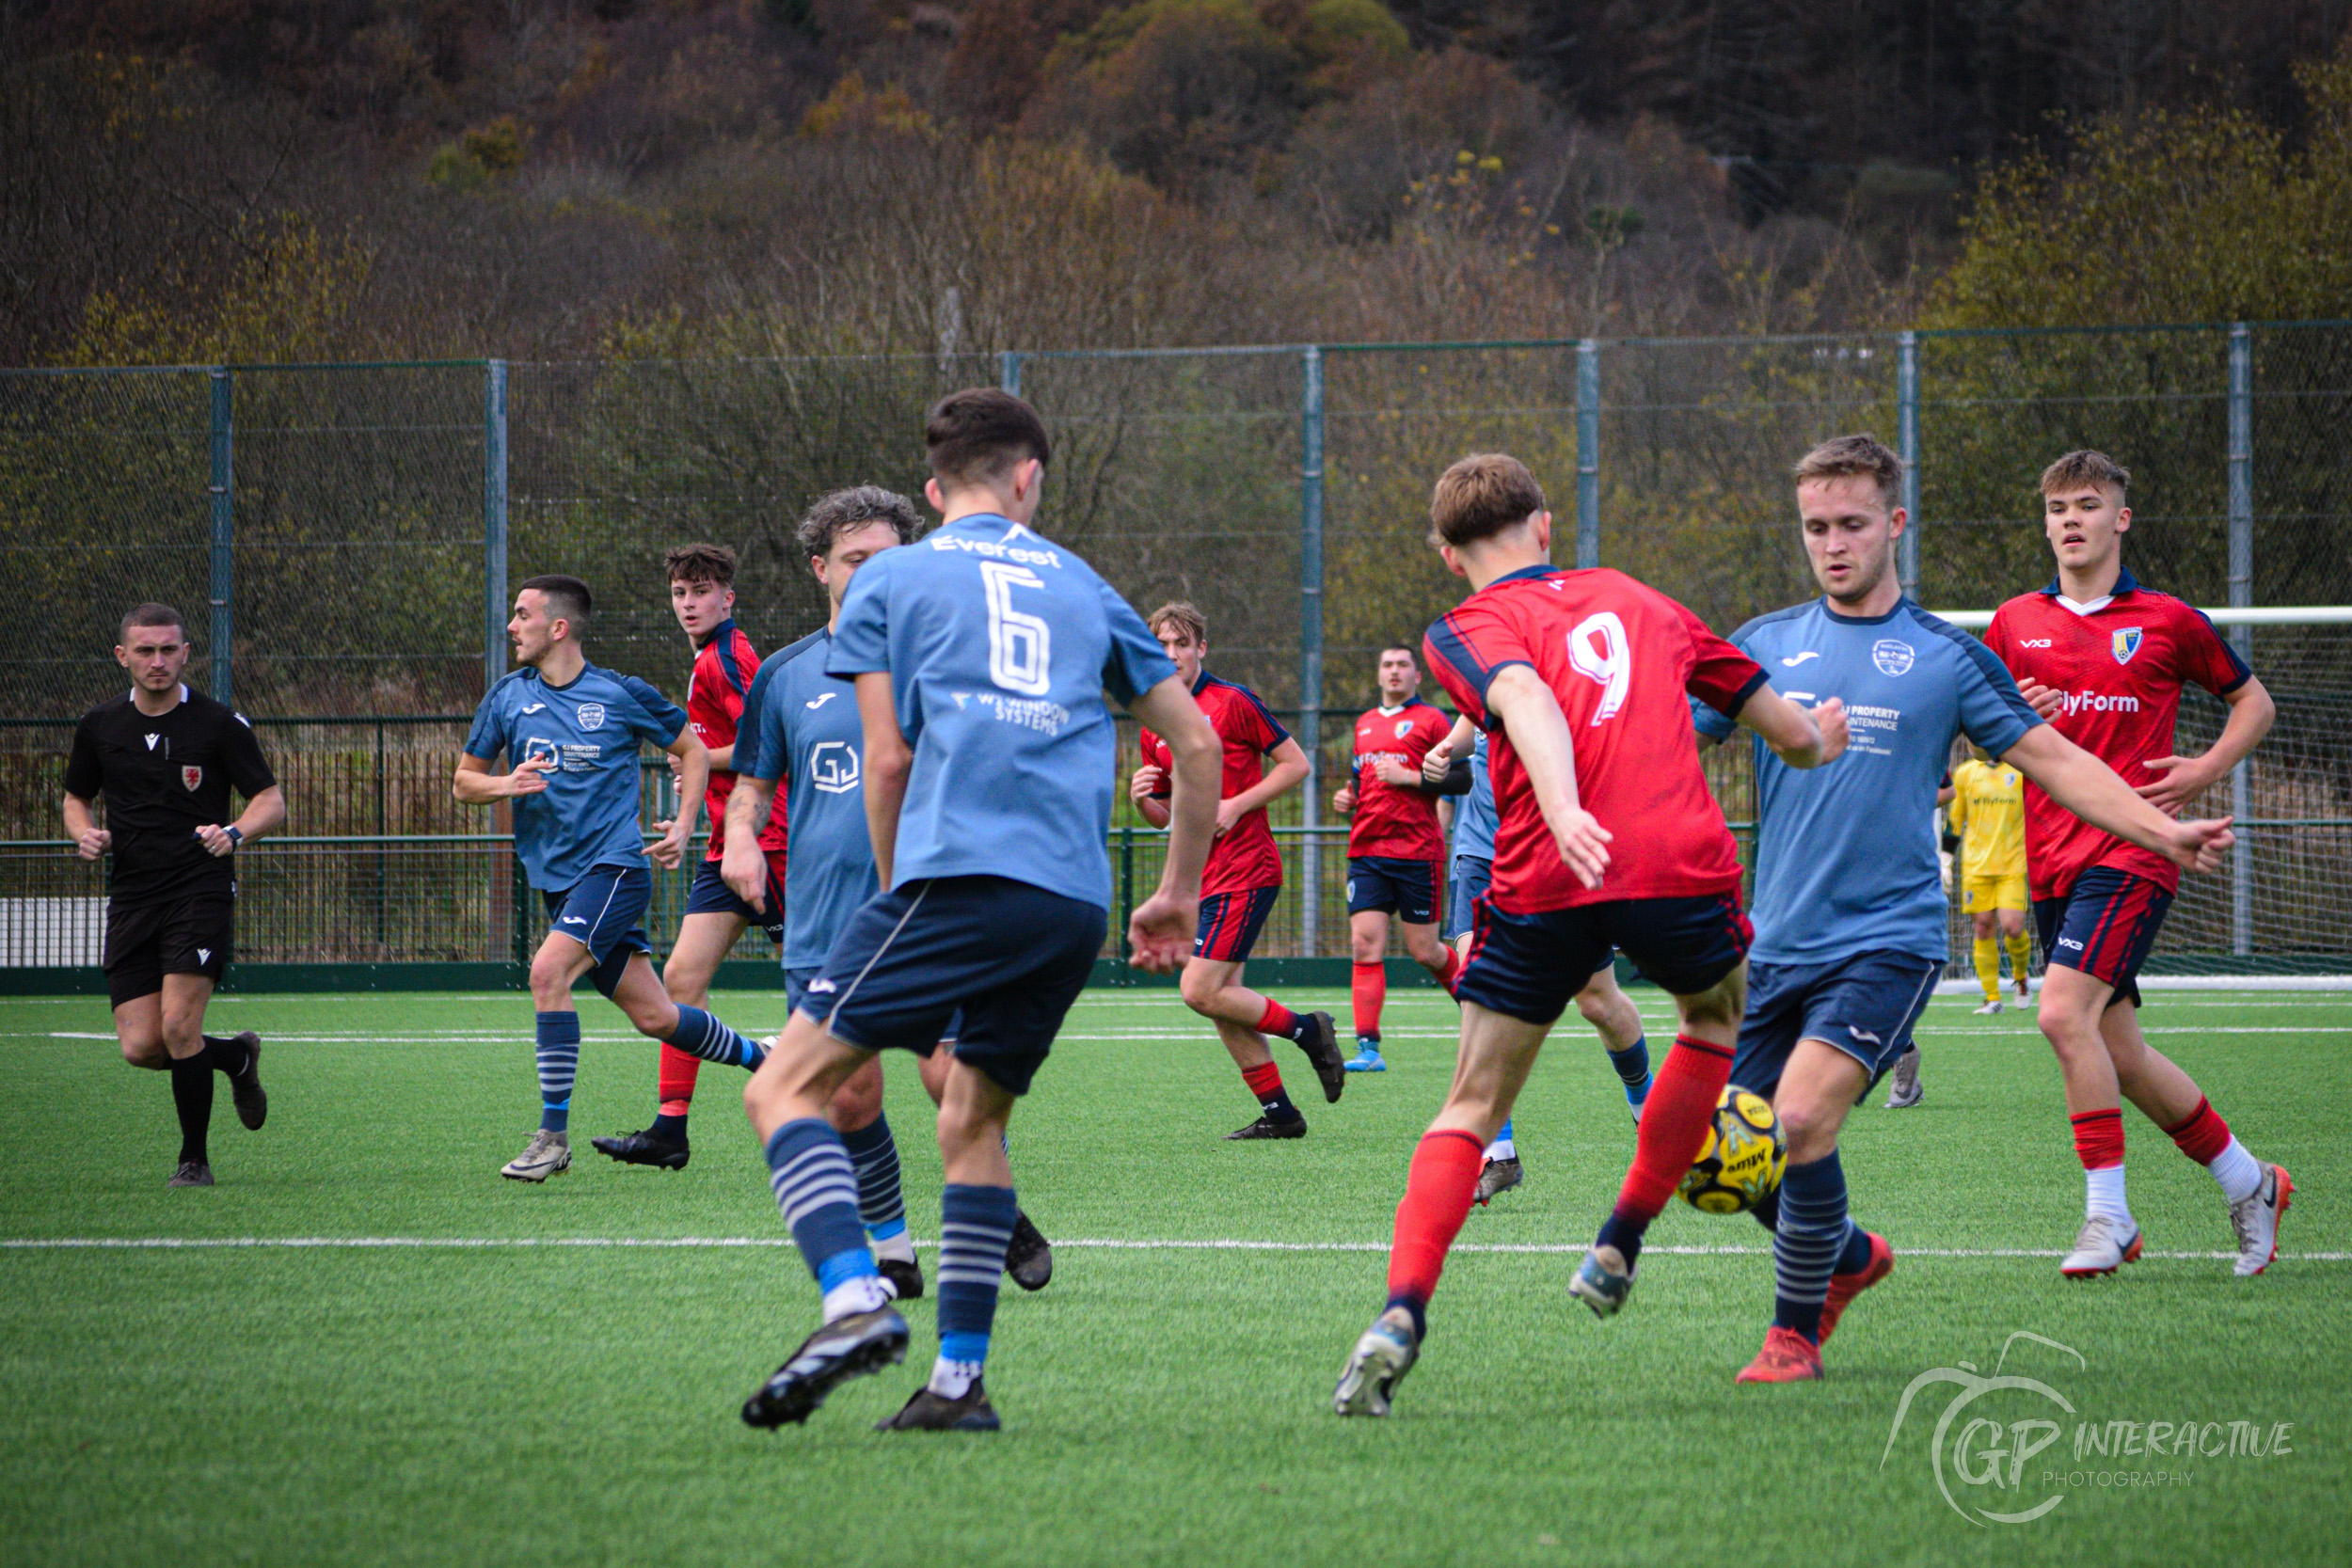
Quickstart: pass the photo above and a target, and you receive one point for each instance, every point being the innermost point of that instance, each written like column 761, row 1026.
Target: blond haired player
column 1987, row 812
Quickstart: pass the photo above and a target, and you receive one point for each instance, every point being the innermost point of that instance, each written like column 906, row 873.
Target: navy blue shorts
column 602, row 911
column 1410, row 890
column 796, row 990
column 1472, row 876
column 1230, row 923
column 710, row 894
column 2103, row 927
column 1528, row 966
column 1864, row 1005
column 1011, row 957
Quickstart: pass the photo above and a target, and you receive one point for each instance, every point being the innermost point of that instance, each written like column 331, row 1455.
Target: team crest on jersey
column 1403, row 728
column 2125, row 642
column 1891, row 657
column 591, row 716
column 191, row 777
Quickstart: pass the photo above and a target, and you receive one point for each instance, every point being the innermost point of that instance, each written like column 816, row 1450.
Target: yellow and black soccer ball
column 1740, row 1163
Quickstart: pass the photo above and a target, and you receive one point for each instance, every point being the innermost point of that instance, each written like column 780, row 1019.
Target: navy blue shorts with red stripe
column 1230, row 923
column 1527, row 966
column 2103, row 927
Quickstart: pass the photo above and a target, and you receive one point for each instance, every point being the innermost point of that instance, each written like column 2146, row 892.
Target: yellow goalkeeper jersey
column 1988, row 810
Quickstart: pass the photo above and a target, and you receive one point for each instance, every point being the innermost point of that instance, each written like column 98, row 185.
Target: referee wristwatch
column 236, row 835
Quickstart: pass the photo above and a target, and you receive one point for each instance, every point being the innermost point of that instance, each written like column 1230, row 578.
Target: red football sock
column 1437, row 1195
column 1675, row 1122
column 1368, row 989
column 1450, row 971
column 1264, row 1081
column 2202, row 1136
column 1277, row 1020
column 2099, row 1138
column 677, row 1072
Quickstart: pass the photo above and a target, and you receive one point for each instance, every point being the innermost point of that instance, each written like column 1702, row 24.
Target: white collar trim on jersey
column 1387, row 712
column 2092, row 608
column 184, row 694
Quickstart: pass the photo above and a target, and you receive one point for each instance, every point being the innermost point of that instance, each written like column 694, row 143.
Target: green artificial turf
column 561, row 1403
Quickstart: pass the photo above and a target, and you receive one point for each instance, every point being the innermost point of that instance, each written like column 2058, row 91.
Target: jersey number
column 1597, row 649
column 1019, row 646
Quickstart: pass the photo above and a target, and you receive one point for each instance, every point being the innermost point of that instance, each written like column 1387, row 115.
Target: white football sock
column 2239, row 1173
column 952, row 1380
column 2105, row 1194
column 1503, row 1148
column 862, row 1294
column 900, row 1247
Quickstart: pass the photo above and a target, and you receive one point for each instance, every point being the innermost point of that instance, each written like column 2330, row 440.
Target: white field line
column 66, row 1243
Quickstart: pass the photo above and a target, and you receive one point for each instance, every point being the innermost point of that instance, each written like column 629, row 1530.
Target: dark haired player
column 571, row 731
column 701, row 597
column 1395, row 850
column 2105, row 660
column 166, row 759
column 1607, row 836
column 1850, row 909
column 981, row 658
column 1243, row 877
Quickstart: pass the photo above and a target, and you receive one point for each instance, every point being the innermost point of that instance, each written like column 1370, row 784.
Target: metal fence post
column 494, row 523
column 224, row 529
column 1310, row 645
column 1588, row 452
column 1009, row 371
column 1907, row 437
column 2241, row 597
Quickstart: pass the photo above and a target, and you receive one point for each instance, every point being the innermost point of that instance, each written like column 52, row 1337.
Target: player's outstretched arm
column 1159, row 935
column 476, row 786
column 693, row 774
column 1799, row 737
column 81, row 825
column 1539, row 734
column 741, row 866
column 2094, row 792
column 889, row 761
column 2186, row 777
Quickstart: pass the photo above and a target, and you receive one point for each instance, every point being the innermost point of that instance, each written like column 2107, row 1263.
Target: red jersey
column 1396, row 820
column 1244, row 856
column 1620, row 656
column 724, row 668
column 2120, row 662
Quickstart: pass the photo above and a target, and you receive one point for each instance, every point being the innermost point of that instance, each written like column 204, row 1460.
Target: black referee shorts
column 191, row 935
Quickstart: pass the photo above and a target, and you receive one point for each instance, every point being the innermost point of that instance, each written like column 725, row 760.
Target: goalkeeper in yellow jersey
column 1987, row 812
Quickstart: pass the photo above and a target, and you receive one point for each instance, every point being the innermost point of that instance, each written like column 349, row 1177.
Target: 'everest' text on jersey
column 1845, row 854
column 1619, row 656
column 715, row 696
column 587, row 817
column 1399, row 821
column 999, row 644
column 1244, row 856
column 1474, row 812
column 1987, row 812
column 2117, row 665
column 800, row 725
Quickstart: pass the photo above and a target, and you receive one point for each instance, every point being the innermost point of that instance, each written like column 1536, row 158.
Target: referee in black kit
column 166, row 759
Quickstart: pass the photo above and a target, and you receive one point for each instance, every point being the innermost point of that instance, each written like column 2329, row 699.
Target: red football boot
column 1843, row 1288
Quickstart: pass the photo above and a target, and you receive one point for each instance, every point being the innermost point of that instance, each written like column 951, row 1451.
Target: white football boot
column 2256, row 1221
column 2103, row 1246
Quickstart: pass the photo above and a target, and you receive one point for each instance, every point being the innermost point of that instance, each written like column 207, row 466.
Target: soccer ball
column 1740, row 1163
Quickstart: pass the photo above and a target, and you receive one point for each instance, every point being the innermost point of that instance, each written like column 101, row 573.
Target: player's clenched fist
column 1160, row 933
column 1830, row 718
column 1147, row 783
column 92, row 843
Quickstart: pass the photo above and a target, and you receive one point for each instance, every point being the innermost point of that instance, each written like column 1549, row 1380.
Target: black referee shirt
column 163, row 777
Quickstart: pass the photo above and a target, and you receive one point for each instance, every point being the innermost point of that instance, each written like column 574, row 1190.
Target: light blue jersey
column 1845, row 855
column 1000, row 645
column 800, row 724
column 587, row 817
column 1474, row 812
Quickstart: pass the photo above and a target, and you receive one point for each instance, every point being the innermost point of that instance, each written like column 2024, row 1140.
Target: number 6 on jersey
column 1019, row 646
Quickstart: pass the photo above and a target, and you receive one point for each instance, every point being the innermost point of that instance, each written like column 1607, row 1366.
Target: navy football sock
column 815, row 1187
column 701, row 1035
column 1812, row 1232
column 1857, row 1255
column 558, row 1064
column 974, row 1228
column 1632, row 1063
column 1768, row 1211
column 1623, row 1234
column 672, row 1127
column 880, row 1200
